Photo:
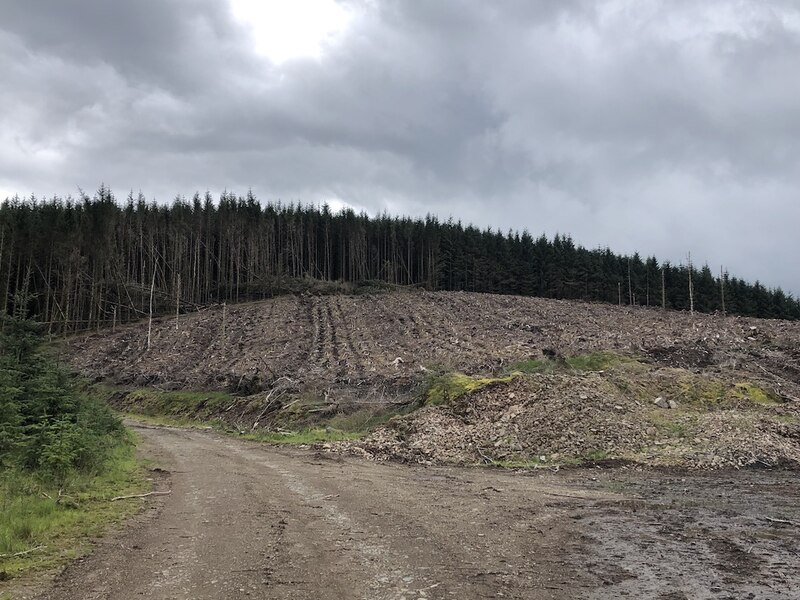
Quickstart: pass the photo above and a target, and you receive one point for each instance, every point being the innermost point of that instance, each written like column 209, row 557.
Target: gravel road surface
column 245, row 520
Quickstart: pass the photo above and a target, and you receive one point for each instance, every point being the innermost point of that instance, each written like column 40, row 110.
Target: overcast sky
column 663, row 127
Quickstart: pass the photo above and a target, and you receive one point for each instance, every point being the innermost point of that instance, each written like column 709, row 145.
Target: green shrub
column 46, row 425
column 62, row 456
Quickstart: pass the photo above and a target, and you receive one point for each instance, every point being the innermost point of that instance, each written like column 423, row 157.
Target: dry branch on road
column 141, row 495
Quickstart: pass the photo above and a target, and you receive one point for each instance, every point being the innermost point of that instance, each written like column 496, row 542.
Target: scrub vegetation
column 63, row 455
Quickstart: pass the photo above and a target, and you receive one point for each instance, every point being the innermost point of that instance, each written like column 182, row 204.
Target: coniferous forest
column 91, row 262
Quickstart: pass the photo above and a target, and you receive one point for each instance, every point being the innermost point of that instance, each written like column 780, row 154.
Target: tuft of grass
column 592, row 362
column 595, row 455
column 700, row 391
column 451, row 386
column 673, row 424
column 366, row 419
column 785, row 419
column 598, row 361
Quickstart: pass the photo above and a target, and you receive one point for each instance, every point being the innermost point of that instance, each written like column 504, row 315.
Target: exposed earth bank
column 503, row 380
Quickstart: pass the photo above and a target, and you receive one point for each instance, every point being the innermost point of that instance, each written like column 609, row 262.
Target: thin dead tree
column 224, row 317
column 630, row 288
column 691, row 287
column 178, row 302
column 150, row 319
column 722, row 289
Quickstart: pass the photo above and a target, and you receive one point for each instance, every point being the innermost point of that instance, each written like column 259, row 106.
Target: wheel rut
column 336, row 362
column 353, row 357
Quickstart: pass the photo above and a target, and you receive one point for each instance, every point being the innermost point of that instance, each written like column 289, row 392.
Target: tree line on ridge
column 91, row 262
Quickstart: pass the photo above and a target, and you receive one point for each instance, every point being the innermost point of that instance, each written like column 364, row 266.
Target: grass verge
column 304, row 419
column 305, row 436
column 43, row 526
column 311, row 435
column 184, row 405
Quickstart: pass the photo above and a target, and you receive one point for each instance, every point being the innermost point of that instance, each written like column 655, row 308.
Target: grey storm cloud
column 663, row 127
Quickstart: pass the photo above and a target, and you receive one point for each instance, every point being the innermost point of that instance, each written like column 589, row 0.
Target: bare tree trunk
column 178, row 302
column 224, row 316
column 691, row 287
column 619, row 292
column 722, row 289
column 2, row 246
column 663, row 291
column 150, row 320
column 630, row 289
column 8, row 277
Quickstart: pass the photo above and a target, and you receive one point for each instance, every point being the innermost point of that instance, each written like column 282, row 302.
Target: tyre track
column 337, row 364
column 350, row 349
column 315, row 318
column 398, row 330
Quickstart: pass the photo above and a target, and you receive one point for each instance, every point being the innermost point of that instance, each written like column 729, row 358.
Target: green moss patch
column 452, row 386
column 702, row 392
column 754, row 393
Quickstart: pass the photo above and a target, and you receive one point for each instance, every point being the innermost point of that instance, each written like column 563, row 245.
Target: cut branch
column 141, row 495
column 782, row 521
column 23, row 553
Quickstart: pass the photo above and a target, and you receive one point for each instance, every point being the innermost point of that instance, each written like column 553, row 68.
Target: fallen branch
column 269, row 403
column 783, row 521
column 23, row 553
column 484, row 457
column 292, row 403
column 142, row 495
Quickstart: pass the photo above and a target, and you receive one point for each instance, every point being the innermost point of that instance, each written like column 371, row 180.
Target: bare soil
column 357, row 345
column 733, row 383
column 250, row 521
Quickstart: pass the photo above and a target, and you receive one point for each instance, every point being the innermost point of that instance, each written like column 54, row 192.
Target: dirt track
column 250, row 521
